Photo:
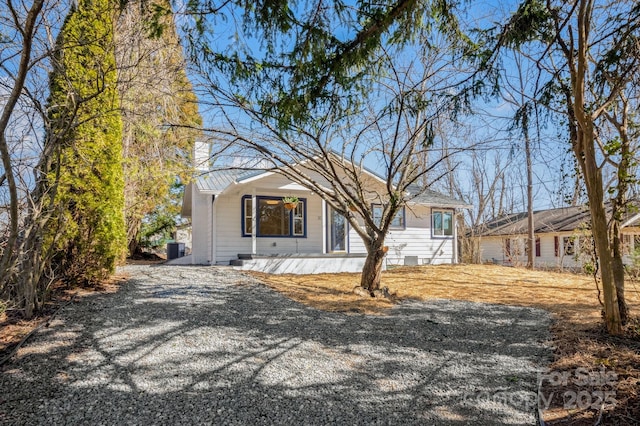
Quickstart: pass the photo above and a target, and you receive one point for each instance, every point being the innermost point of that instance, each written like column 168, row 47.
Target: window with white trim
column 298, row 219
column 570, row 244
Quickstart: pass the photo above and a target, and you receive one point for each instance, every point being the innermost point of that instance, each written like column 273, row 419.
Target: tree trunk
column 618, row 272
column 133, row 236
column 372, row 270
column 599, row 224
column 583, row 138
column 531, row 240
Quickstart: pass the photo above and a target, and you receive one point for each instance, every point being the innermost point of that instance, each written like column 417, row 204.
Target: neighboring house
column 562, row 238
column 238, row 218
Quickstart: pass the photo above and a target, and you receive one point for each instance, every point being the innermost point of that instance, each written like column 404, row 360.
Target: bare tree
column 589, row 52
column 390, row 133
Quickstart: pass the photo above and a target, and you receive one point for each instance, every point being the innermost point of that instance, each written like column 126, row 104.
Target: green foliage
column 532, row 21
column 160, row 117
column 322, row 56
column 90, row 232
column 158, row 225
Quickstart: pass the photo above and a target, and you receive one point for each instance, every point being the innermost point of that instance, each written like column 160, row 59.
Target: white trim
column 455, row 238
column 211, row 231
column 252, row 178
column 631, row 220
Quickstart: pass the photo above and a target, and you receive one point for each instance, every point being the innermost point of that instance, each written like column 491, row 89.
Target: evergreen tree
column 160, row 117
column 90, row 236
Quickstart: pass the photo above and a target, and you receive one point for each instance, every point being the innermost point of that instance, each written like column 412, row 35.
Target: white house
column 562, row 238
column 238, row 218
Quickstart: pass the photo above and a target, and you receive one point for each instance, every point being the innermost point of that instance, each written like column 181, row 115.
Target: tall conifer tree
column 90, row 190
column 160, row 116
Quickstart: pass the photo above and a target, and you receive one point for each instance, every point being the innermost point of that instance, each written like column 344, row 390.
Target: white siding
column 222, row 234
column 492, row 249
column 201, row 224
column 414, row 240
column 229, row 239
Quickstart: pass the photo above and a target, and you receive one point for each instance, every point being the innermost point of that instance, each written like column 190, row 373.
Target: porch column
column 325, row 231
column 454, row 258
column 213, row 233
column 254, row 222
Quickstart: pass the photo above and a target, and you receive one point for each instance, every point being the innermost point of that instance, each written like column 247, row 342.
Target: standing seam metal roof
column 217, row 181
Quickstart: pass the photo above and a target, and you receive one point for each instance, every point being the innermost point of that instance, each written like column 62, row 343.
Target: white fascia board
column 252, row 178
column 631, row 220
column 441, row 206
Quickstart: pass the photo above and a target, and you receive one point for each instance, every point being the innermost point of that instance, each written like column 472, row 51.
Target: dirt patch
column 582, row 347
column 145, row 258
column 13, row 328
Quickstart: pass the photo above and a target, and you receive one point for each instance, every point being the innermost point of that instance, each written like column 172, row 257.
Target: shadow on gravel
column 185, row 345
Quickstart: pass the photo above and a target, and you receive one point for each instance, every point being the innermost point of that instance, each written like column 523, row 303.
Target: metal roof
column 217, row 181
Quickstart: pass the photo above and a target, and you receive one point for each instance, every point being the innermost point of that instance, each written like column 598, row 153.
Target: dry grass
column 579, row 337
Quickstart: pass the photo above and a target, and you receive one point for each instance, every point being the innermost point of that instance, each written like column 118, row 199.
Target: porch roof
column 216, row 181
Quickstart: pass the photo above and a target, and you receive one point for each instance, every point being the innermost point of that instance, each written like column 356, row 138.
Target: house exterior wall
column 415, row 240
column 229, row 239
column 492, row 250
column 201, row 224
column 218, row 239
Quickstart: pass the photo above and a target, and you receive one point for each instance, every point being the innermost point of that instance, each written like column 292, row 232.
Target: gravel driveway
column 207, row 345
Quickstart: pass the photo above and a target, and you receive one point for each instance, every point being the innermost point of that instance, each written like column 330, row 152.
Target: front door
column 337, row 232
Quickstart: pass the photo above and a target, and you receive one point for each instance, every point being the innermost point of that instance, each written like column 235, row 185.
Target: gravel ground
column 207, row 345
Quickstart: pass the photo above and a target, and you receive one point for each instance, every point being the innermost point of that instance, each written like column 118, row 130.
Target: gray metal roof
column 217, row 181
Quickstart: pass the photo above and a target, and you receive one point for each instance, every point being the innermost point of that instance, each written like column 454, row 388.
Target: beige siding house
column 562, row 238
column 238, row 218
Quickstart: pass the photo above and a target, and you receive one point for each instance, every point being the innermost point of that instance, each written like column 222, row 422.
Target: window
column 442, row 222
column 536, row 245
column 626, row 244
column 248, row 216
column 398, row 219
column 569, row 244
column 272, row 218
column 298, row 219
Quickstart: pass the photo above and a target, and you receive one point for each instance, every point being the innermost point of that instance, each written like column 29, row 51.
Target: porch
column 300, row 263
